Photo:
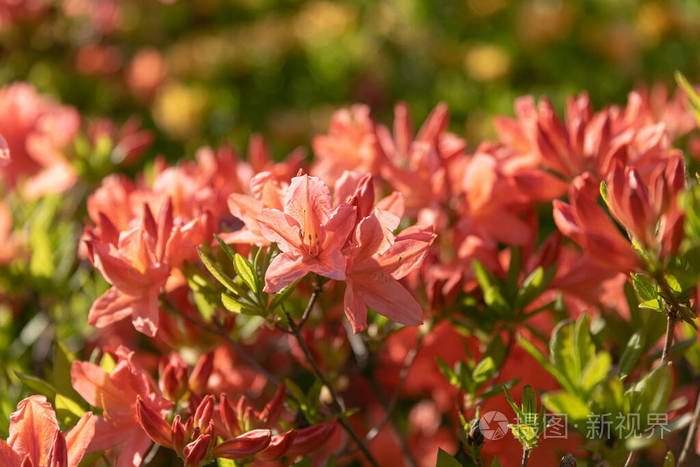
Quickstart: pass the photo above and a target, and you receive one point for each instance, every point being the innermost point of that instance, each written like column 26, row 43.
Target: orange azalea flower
column 309, row 232
column 36, row 440
column 116, row 393
column 588, row 225
column 374, row 270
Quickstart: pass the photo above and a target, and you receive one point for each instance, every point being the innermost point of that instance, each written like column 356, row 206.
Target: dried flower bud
column 568, row 461
column 475, row 437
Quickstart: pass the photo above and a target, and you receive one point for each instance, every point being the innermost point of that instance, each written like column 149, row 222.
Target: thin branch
column 526, row 457
column 391, row 406
column 338, row 404
column 689, row 438
column 630, row 459
column 671, row 316
column 312, row 301
column 668, row 341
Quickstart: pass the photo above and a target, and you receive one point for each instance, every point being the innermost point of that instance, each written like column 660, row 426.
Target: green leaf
column 632, row 353
column 644, row 286
column 107, row 363
column 245, row 271
column 498, row 388
column 529, row 400
column 483, row 371
column 68, row 411
column 37, row 385
column 595, row 371
column 219, row 275
column 566, row 403
column 62, row 362
column 669, row 460
column 305, row 462
column 221, row 462
column 533, row 285
column 495, row 462
column 546, row 364
column 234, row 306
column 514, row 406
column 493, row 297
column 446, row 460
column 225, row 248
column 654, row 304
column 604, row 191
column 282, row 295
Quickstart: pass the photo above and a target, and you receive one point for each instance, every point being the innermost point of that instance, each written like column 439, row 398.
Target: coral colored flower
column 587, row 224
column 351, row 144
column 137, row 276
column 309, row 232
column 649, row 210
column 36, row 130
column 116, row 393
column 267, row 192
column 374, row 271
column 36, row 440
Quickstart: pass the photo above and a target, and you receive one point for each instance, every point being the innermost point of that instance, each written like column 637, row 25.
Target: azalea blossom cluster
column 382, row 267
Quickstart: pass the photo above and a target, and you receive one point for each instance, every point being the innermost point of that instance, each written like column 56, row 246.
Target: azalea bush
column 176, row 289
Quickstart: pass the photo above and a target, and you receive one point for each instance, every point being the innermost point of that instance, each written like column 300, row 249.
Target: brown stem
column 338, row 404
column 672, row 315
column 526, row 457
column 310, row 305
column 689, row 438
column 668, row 342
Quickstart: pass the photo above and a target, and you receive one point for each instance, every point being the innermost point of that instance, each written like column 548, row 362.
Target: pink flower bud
column 178, row 435
column 199, row 378
column 153, row 424
column 229, row 416
column 247, row 444
column 312, row 437
column 279, row 445
column 203, row 414
column 273, row 408
column 197, row 450
column 173, row 378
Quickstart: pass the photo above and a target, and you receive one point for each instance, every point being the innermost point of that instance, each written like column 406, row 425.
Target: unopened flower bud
column 274, row 407
column 199, row 378
column 279, row 445
column 173, row 378
column 245, row 445
column 229, row 416
column 178, row 435
column 312, row 437
column 153, row 424
column 203, row 414
column 197, row 450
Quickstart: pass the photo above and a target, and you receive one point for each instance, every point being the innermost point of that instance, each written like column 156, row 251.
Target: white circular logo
column 493, row 425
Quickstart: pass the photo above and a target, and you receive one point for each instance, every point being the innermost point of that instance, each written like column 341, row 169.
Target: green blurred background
column 213, row 70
